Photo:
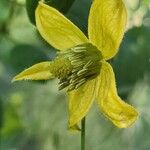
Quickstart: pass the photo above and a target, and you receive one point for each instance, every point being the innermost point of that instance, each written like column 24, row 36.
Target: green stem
column 83, row 134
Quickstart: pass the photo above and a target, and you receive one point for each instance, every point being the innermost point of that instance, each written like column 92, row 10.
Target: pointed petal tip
column 39, row 71
column 41, row 3
column 74, row 128
column 17, row 78
column 13, row 80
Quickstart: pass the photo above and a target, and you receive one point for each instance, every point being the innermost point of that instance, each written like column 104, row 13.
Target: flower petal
column 119, row 112
column 56, row 29
column 80, row 101
column 40, row 71
column 107, row 20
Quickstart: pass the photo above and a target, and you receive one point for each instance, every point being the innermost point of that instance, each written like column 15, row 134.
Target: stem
column 83, row 134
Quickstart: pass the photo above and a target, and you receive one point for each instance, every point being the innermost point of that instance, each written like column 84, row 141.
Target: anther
column 88, row 64
column 82, row 72
column 80, row 83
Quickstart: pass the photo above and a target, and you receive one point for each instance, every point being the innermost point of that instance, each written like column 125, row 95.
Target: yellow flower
column 81, row 63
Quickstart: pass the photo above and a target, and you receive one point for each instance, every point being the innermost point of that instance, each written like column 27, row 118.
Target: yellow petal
column 56, row 29
column 107, row 20
column 80, row 101
column 119, row 112
column 40, row 71
column 74, row 128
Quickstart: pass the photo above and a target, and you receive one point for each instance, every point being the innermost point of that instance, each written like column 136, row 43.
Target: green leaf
column 1, row 113
column 11, row 122
column 132, row 62
column 23, row 56
column 30, row 7
column 4, row 10
column 62, row 5
column 78, row 15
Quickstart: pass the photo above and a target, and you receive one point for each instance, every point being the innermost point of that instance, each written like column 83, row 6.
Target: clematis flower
column 80, row 64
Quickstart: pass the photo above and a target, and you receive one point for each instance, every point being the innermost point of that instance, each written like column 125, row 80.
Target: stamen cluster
column 83, row 62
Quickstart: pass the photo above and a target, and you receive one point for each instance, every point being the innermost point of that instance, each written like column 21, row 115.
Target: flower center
column 76, row 65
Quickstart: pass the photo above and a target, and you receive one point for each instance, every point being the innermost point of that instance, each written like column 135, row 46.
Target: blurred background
column 33, row 115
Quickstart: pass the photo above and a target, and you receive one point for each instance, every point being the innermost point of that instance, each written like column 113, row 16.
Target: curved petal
column 80, row 101
column 107, row 20
column 56, row 29
column 40, row 71
column 119, row 112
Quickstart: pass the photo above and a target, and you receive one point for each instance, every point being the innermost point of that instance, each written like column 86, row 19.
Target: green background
column 33, row 115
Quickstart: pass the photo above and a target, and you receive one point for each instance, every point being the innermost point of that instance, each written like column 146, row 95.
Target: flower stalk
column 83, row 130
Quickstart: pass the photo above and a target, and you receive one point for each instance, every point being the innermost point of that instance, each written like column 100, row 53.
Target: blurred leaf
column 134, row 4
column 23, row 56
column 145, row 2
column 132, row 62
column 62, row 5
column 79, row 15
column 4, row 13
column 11, row 120
column 4, row 10
column 30, row 7
column 1, row 113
